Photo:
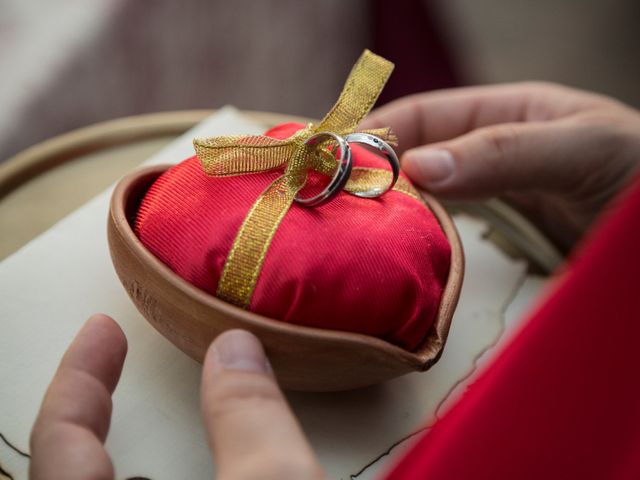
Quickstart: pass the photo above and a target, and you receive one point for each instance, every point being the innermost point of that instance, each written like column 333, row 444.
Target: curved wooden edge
column 60, row 149
column 421, row 359
column 68, row 146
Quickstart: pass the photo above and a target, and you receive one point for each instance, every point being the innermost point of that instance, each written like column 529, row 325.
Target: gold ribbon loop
column 238, row 155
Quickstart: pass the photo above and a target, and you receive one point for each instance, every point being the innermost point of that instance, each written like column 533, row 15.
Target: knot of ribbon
column 247, row 154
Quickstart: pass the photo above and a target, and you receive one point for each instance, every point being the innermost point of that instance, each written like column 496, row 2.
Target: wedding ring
column 386, row 149
column 340, row 176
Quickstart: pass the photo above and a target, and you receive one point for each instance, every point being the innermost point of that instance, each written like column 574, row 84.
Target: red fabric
column 563, row 399
column 371, row 266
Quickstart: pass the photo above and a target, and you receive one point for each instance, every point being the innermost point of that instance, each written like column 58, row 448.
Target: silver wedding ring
column 384, row 148
column 340, row 176
column 343, row 171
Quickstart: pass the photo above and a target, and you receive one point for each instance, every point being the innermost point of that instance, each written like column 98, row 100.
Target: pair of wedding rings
column 345, row 163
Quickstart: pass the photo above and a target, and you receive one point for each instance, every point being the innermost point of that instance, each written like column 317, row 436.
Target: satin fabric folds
column 372, row 266
column 562, row 401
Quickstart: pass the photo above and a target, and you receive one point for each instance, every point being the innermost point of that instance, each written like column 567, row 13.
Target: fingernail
column 239, row 350
column 429, row 166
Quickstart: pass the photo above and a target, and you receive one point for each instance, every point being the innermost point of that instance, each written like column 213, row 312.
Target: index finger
column 445, row 114
column 66, row 441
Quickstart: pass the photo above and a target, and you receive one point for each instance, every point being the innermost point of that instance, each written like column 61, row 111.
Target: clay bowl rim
column 419, row 359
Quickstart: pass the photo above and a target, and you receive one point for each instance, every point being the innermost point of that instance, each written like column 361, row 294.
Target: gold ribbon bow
column 238, row 155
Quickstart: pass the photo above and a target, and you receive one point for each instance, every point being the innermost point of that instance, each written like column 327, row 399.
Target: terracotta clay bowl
column 303, row 358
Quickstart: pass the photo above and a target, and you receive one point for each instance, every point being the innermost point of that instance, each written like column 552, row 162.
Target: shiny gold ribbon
column 238, row 155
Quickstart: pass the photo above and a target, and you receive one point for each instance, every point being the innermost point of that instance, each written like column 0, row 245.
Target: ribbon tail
column 360, row 92
column 364, row 179
column 244, row 263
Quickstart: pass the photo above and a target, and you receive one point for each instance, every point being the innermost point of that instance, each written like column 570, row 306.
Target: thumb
column 249, row 425
column 494, row 160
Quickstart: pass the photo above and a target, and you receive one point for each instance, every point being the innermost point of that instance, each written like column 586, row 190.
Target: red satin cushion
column 376, row 267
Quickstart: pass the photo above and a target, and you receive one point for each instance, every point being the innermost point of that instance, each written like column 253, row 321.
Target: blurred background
column 69, row 63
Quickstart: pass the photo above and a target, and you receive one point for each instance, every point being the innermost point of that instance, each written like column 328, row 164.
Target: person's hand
column 67, row 437
column 250, row 428
column 557, row 154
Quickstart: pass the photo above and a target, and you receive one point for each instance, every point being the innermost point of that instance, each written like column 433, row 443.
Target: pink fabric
column 371, row 266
